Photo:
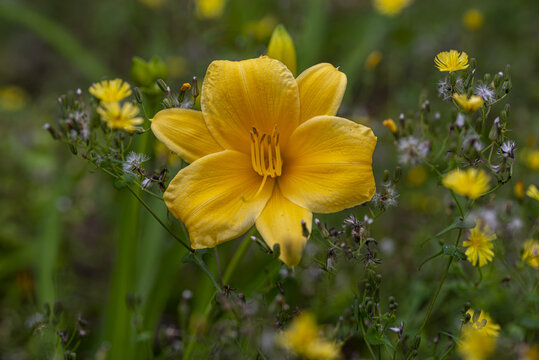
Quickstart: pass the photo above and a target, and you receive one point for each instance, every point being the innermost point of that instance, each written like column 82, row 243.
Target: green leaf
column 374, row 337
column 197, row 257
column 458, row 223
column 452, row 250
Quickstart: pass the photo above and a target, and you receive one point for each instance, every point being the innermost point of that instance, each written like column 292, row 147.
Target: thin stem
column 458, row 204
column 161, row 222
column 218, row 266
column 237, row 257
column 365, row 338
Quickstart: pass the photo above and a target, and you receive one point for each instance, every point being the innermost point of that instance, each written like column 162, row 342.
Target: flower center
column 266, row 154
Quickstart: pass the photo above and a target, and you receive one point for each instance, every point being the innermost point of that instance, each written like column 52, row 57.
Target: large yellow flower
column 267, row 149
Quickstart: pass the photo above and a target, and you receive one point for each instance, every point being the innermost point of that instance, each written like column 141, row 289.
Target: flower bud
column 194, row 89
column 138, row 95
column 163, row 86
column 390, row 125
column 281, row 47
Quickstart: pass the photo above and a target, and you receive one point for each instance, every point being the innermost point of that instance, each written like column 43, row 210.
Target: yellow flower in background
column 471, row 183
column 471, row 104
column 484, row 323
column 260, row 29
column 390, row 7
column 153, row 4
column 519, row 190
column 303, row 338
column 451, row 61
column 266, row 149
column 390, row 125
column 531, row 159
column 118, row 116
column 531, row 253
column 13, row 98
column 210, row 9
column 529, row 352
column 479, row 244
column 372, row 61
column 533, row 192
column 478, row 340
column 417, row 176
column 281, row 47
column 473, row 19
column 110, row 90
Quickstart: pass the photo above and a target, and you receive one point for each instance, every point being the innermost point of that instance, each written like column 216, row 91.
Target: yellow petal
column 280, row 223
column 239, row 95
column 184, row 132
column 327, row 166
column 321, row 88
column 209, row 197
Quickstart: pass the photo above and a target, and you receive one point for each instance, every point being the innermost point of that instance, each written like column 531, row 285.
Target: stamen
column 265, row 155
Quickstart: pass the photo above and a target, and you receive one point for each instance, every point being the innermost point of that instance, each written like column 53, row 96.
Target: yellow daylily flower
column 266, row 149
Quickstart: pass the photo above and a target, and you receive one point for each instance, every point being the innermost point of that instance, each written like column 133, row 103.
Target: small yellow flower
column 478, row 339
column 469, row 104
column 372, row 61
column 473, row 19
column 281, row 47
column 303, row 338
column 531, row 159
column 390, row 7
column 479, row 245
column 451, row 61
column 210, row 9
column 471, row 182
column 120, row 116
column 519, row 190
column 533, row 192
column 110, row 90
column 417, row 176
column 390, row 124
column 531, row 253
column 266, row 150
column 12, row 98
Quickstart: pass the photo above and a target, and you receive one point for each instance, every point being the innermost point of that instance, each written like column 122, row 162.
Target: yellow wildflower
column 390, row 7
column 266, row 149
column 260, row 29
column 281, row 47
column 12, row 98
column 479, row 244
column 417, row 175
column 303, row 338
column 473, row 19
column 531, row 159
column 519, row 190
column 120, row 116
column 110, row 90
column 483, row 323
column 451, row 61
column 533, row 192
column 531, row 253
column 210, row 9
column 475, row 344
column 372, row 61
column 390, row 125
column 471, row 183
column 469, row 104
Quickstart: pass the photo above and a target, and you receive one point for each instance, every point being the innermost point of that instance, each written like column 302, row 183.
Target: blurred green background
column 68, row 234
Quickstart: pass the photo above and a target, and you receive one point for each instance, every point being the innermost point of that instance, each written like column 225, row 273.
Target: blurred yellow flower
column 533, row 192
column 531, row 253
column 451, row 61
column 153, row 4
column 390, row 125
column 266, row 149
column 531, row 159
column 473, row 19
column 390, row 7
column 519, row 190
column 417, row 176
column 475, row 344
column 469, row 104
column 281, row 47
column 110, row 90
column 210, row 9
column 479, row 244
column 303, row 338
column 12, row 98
column 529, row 352
column 260, row 29
column 471, row 183
column 484, row 323
column 118, row 116
column 372, row 61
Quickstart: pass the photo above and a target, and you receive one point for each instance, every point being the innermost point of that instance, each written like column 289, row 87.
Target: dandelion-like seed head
column 110, row 90
column 451, row 61
column 507, row 149
column 412, row 150
column 133, row 162
column 479, row 244
column 485, row 92
column 471, row 183
column 118, row 116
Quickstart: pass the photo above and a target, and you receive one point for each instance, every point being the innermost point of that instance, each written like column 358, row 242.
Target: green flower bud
column 281, row 47
column 144, row 73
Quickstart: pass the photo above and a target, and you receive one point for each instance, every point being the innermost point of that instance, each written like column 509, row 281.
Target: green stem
column 365, row 338
column 237, row 257
column 159, row 219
